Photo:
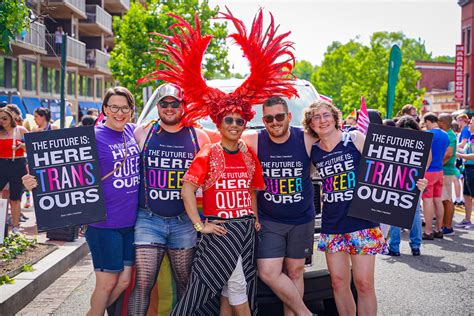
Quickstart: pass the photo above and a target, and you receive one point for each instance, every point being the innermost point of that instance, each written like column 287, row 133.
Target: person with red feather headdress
column 223, row 277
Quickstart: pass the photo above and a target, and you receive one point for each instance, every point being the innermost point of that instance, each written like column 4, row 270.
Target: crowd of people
column 257, row 216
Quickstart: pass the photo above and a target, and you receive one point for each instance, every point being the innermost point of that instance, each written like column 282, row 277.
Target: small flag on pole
column 363, row 120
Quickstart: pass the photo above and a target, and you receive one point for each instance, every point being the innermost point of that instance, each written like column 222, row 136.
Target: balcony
column 30, row 41
column 98, row 21
column 117, row 6
column 97, row 63
column 63, row 9
column 75, row 52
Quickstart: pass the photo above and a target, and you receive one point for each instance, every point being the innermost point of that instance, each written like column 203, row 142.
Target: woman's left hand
column 257, row 225
column 421, row 184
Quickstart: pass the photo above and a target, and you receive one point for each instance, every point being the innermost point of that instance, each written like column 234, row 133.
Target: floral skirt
column 368, row 241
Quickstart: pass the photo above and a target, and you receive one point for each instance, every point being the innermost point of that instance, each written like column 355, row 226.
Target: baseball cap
column 169, row 90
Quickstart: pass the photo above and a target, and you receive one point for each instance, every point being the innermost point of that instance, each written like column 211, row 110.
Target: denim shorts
column 111, row 249
column 172, row 232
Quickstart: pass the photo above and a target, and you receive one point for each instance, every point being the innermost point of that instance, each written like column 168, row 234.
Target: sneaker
column 428, row 236
column 462, row 224
column 393, row 253
column 415, row 251
column 27, row 205
column 438, row 234
column 448, row 231
column 471, row 227
column 23, row 217
column 15, row 230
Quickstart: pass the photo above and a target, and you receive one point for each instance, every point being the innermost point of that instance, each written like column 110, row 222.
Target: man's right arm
column 140, row 134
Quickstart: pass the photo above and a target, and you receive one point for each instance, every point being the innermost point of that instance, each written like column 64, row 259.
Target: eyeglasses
column 4, row 118
column 115, row 108
column 279, row 117
column 165, row 104
column 230, row 120
column 318, row 118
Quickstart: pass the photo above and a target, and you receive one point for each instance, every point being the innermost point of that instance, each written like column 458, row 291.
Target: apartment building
column 31, row 74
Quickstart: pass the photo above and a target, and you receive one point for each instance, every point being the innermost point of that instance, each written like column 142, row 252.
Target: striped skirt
column 214, row 262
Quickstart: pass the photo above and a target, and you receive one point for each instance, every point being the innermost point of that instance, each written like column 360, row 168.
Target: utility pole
column 62, row 118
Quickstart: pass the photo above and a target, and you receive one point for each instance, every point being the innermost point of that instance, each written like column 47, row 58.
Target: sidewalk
column 13, row 297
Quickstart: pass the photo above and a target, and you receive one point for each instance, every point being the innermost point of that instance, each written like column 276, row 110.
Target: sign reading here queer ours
column 65, row 164
column 392, row 161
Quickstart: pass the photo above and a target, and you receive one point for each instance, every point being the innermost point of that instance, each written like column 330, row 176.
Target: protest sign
column 66, row 166
column 392, row 161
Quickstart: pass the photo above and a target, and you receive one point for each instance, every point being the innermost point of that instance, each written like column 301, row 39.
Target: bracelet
column 198, row 226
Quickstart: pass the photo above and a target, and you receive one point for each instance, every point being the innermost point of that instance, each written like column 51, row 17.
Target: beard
column 173, row 121
column 281, row 133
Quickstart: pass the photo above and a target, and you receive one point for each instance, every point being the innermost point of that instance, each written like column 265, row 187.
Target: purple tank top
column 289, row 194
column 165, row 159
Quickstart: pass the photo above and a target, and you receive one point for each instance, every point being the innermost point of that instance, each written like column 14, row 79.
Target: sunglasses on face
column 115, row 108
column 279, row 117
column 165, row 104
column 230, row 120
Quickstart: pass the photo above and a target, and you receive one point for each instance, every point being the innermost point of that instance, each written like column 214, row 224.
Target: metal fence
column 80, row 4
column 97, row 59
column 95, row 14
column 75, row 49
column 34, row 36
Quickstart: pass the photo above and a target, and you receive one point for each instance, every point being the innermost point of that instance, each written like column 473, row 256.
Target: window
column 29, row 71
column 46, row 80
column 467, row 89
column 98, row 87
column 7, row 72
column 90, row 87
column 468, row 41
column 71, row 83
column 57, row 81
column 82, row 86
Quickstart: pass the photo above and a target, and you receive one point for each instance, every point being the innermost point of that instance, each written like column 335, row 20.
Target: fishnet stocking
column 148, row 261
column 181, row 261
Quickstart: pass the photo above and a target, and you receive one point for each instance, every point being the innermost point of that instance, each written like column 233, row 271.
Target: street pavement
column 439, row 282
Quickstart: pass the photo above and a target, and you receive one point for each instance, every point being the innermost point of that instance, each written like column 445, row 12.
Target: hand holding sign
column 65, row 177
column 388, row 180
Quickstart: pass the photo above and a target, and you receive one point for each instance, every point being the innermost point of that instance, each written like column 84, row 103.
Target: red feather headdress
column 271, row 61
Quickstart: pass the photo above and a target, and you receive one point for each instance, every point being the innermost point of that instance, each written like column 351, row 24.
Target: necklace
column 232, row 152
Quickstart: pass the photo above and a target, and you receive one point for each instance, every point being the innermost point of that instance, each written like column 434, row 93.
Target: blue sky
column 316, row 24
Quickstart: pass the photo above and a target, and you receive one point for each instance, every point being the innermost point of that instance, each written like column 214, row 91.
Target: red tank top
column 6, row 148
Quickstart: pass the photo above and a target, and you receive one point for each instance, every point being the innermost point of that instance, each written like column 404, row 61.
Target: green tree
column 351, row 70
column 131, row 58
column 303, row 70
column 444, row 58
column 13, row 19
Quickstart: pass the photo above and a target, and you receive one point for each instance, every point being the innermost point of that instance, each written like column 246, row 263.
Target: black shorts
column 11, row 172
column 468, row 187
column 277, row 240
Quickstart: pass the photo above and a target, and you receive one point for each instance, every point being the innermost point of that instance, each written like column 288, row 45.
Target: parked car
column 318, row 294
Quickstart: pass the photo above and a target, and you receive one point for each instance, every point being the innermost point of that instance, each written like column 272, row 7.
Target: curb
column 13, row 297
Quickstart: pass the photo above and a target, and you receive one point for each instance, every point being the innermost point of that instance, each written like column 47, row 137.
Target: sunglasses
column 173, row 104
column 115, row 108
column 279, row 117
column 230, row 120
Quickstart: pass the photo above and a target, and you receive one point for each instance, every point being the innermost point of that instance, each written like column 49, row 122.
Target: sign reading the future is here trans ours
column 66, row 166
column 392, row 161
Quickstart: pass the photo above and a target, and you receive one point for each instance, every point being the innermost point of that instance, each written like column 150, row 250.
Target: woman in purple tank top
column 345, row 240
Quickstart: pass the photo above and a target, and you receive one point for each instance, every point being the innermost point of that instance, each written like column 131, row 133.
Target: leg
column 226, row 309
column 270, row 272
column 439, row 213
column 428, row 211
column 363, row 268
column 148, row 262
column 16, row 212
column 181, row 262
column 339, row 268
column 122, row 284
column 294, row 269
column 415, row 231
column 105, row 282
column 394, row 240
column 447, row 199
column 236, row 292
column 457, row 189
column 468, row 207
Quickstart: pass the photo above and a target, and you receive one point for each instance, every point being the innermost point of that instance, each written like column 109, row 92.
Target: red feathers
column 271, row 61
